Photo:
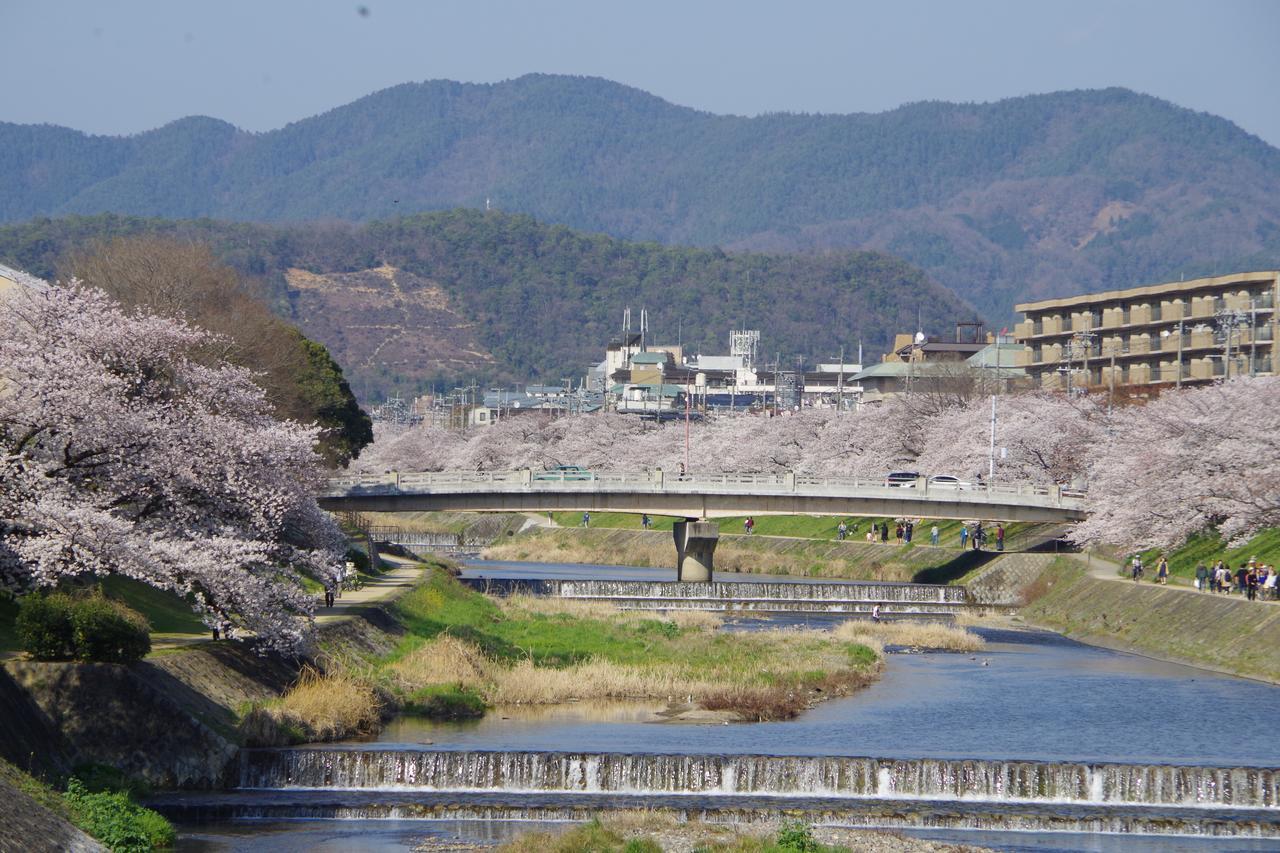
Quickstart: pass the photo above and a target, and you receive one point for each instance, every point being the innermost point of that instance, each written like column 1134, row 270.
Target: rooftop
column 1172, row 287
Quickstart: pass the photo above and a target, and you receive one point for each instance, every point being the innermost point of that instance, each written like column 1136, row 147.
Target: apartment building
column 1163, row 334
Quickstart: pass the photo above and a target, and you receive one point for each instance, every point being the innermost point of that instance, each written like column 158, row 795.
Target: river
column 1035, row 723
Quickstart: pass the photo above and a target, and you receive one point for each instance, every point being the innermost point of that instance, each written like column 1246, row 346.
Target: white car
column 902, row 479
column 947, row 481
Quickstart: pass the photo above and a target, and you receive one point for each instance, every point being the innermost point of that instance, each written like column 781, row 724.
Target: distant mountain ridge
column 1027, row 197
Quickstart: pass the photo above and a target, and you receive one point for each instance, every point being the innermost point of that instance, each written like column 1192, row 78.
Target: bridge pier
column 695, row 548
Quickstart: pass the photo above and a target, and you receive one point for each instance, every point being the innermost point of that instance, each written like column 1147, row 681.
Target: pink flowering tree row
column 127, row 448
column 1156, row 472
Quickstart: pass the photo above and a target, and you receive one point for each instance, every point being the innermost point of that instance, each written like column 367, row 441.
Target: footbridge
column 695, row 498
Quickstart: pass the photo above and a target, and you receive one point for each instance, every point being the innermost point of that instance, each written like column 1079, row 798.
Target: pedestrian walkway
column 1109, row 570
column 384, row 587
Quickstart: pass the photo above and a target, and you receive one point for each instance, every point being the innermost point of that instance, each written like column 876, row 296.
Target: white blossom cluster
column 1156, row 471
column 124, row 451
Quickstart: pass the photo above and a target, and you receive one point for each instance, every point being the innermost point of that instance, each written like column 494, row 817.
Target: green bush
column 87, row 628
column 117, row 821
column 445, row 702
column 44, row 626
column 108, row 632
column 797, row 837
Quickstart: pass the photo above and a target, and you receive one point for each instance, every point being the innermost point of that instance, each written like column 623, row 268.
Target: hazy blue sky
column 122, row 67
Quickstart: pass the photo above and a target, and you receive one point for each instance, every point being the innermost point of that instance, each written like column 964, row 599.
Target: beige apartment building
column 1170, row 334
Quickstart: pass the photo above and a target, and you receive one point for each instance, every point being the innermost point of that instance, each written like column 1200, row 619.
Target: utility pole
column 840, row 384
column 1179, row 385
column 1253, row 335
column 687, row 404
column 1111, row 377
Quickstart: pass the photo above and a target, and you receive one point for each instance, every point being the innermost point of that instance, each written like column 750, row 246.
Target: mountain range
column 1024, row 198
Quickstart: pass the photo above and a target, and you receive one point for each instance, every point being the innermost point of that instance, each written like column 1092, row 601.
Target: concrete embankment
column 170, row 719
column 1223, row 633
column 735, row 553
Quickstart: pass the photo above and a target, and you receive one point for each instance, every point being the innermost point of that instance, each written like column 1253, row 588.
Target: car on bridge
column 948, row 481
column 565, row 473
column 903, row 479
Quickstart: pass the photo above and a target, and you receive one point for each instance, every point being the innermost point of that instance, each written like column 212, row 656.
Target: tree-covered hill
column 1027, row 197
column 462, row 295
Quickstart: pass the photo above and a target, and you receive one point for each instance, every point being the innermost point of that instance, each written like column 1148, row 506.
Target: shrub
column 445, row 702
column 87, row 628
column 117, row 821
column 107, row 631
column 44, row 626
column 797, row 837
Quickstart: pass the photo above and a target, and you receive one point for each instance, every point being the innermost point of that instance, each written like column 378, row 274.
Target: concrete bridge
column 695, row 498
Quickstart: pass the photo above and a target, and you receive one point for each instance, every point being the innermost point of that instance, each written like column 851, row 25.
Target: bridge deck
column 695, row 495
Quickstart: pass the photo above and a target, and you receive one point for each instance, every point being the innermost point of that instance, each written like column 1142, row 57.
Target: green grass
column 1209, row 548
column 104, row 809
column 445, row 702
column 442, row 605
column 167, row 613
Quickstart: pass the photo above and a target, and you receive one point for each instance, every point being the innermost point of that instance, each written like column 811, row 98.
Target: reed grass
column 919, row 635
column 329, row 706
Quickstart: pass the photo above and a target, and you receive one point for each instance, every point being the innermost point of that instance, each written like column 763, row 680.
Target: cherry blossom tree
column 122, row 453
column 1187, row 461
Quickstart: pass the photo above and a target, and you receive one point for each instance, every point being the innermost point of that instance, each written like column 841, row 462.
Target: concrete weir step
column 744, row 596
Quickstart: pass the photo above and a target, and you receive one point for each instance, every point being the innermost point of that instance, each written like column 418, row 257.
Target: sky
column 124, row 66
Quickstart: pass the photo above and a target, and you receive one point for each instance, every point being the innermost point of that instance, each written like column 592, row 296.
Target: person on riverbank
column 842, row 531
column 933, row 535
column 979, row 535
column 999, row 537
column 1136, row 568
column 907, row 531
column 645, row 521
column 897, row 532
column 884, row 531
column 1162, row 571
column 749, row 525
column 1242, row 578
column 1202, row 577
column 875, row 613
column 328, row 594
column 1251, row 584
column 586, row 519
column 964, row 536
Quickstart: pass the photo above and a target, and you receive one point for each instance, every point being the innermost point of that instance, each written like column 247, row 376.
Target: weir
column 792, row 777
column 852, row 598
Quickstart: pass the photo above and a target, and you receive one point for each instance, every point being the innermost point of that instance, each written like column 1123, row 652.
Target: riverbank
column 1220, row 633
column 759, row 554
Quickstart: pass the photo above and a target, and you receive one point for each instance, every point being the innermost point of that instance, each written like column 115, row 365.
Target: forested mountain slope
column 1027, row 197
column 493, row 297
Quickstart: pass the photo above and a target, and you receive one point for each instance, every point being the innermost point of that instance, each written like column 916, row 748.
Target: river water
column 1041, row 719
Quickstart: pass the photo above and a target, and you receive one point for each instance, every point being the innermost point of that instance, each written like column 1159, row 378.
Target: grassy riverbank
column 462, row 651
column 1228, row 634
column 657, row 831
column 814, row 558
column 1208, row 547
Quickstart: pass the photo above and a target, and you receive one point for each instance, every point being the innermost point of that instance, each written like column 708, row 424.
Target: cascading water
column 767, row 775
column 896, row 598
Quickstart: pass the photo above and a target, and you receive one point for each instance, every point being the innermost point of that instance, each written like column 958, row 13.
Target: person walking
column 750, row 524
column 645, row 521
column 908, row 530
column 842, row 530
column 897, row 532
column 1251, row 583
column 978, row 536
column 586, row 519
column 875, row 613
column 1202, row 577
column 999, row 537
column 933, row 535
column 1162, row 571
column 884, row 531
column 1136, row 568
column 964, row 536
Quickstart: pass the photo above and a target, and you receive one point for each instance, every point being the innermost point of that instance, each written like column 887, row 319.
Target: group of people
column 905, row 530
column 1252, row 579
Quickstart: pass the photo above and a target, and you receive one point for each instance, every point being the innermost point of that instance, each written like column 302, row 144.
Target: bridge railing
column 658, row 481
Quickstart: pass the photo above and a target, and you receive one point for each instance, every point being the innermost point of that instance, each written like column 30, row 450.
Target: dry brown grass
column 920, row 635
column 332, row 706
column 444, row 660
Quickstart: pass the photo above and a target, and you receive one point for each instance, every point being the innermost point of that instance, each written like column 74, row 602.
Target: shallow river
column 1030, row 695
